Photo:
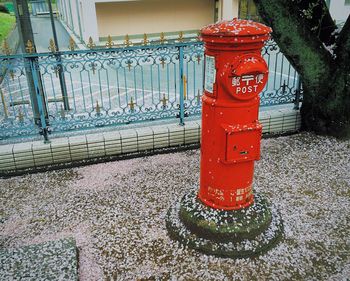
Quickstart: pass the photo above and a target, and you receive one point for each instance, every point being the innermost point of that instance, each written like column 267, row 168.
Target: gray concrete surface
column 50, row 260
column 116, row 210
column 43, row 33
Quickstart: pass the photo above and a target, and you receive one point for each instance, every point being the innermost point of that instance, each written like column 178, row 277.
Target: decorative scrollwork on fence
column 110, row 86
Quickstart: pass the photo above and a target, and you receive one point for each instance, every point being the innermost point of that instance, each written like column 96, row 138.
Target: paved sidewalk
column 116, row 210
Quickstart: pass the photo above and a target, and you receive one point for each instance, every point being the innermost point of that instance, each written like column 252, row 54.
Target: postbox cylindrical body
column 235, row 74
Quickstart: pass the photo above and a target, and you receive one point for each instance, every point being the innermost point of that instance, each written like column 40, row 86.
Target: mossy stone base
column 243, row 233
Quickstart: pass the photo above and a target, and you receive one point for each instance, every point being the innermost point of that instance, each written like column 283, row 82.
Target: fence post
column 182, row 105
column 297, row 93
column 26, row 39
column 40, row 98
column 59, row 61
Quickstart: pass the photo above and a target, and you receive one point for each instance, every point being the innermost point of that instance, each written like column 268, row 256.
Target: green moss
column 215, row 243
column 225, row 225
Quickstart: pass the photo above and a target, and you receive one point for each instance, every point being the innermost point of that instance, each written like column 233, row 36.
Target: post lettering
column 247, row 87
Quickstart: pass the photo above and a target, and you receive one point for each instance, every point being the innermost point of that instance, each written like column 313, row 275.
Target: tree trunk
column 305, row 38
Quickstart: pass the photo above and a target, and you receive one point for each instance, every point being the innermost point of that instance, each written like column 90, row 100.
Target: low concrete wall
column 18, row 158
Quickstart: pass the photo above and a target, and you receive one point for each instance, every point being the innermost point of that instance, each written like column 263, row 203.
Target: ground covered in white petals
column 116, row 212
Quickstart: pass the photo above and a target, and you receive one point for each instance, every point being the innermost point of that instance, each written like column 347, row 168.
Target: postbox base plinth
column 237, row 234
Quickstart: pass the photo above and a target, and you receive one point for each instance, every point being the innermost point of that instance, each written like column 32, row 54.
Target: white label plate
column 210, row 73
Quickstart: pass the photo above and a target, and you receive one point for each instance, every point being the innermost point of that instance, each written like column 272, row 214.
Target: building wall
column 80, row 17
column 100, row 18
column 339, row 10
column 153, row 16
column 229, row 9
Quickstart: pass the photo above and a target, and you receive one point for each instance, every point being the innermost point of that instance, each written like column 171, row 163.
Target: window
column 247, row 10
column 347, row 2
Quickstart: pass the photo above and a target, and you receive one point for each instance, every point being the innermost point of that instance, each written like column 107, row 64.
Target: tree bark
column 306, row 37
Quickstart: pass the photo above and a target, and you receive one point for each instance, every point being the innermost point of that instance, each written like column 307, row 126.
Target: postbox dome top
column 246, row 30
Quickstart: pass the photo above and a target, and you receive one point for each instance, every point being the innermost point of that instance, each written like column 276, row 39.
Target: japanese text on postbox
column 247, row 84
column 210, row 73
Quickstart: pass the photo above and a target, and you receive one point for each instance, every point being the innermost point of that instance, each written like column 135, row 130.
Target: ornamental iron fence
column 111, row 86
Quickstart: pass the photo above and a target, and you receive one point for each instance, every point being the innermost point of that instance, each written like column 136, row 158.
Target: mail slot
column 242, row 143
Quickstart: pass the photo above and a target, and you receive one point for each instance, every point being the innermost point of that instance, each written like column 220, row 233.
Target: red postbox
column 224, row 218
column 235, row 74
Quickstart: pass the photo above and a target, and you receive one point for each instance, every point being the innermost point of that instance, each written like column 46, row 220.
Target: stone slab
column 52, row 260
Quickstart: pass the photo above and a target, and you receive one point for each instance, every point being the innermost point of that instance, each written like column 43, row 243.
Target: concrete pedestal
column 243, row 233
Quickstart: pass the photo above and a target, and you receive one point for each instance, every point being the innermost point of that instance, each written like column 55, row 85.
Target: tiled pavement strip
column 122, row 141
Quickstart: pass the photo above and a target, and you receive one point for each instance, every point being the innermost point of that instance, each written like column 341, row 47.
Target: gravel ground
column 116, row 211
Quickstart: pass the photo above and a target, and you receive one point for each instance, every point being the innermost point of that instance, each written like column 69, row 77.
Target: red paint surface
column 231, row 132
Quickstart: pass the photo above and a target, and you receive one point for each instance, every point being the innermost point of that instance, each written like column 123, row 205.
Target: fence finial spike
column 93, row 68
column 162, row 38
column 127, row 41
column 132, row 104
column 181, row 36
column 91, row 43
column 110, row 42
column 164, row 101
column 145, row 40
column 12, row 74
column 71, row 44
column 30, row 47
column 162, row 61
column 98, row 109
column 6, row 48
column 129, row 64
column 52, row 46
column 199, row 58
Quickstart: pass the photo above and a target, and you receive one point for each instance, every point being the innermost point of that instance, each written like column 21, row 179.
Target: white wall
column 84, row 10
column 153, row 16
column 229, row 9
column 89, row 20
column 339, row 10
column 71, row 10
